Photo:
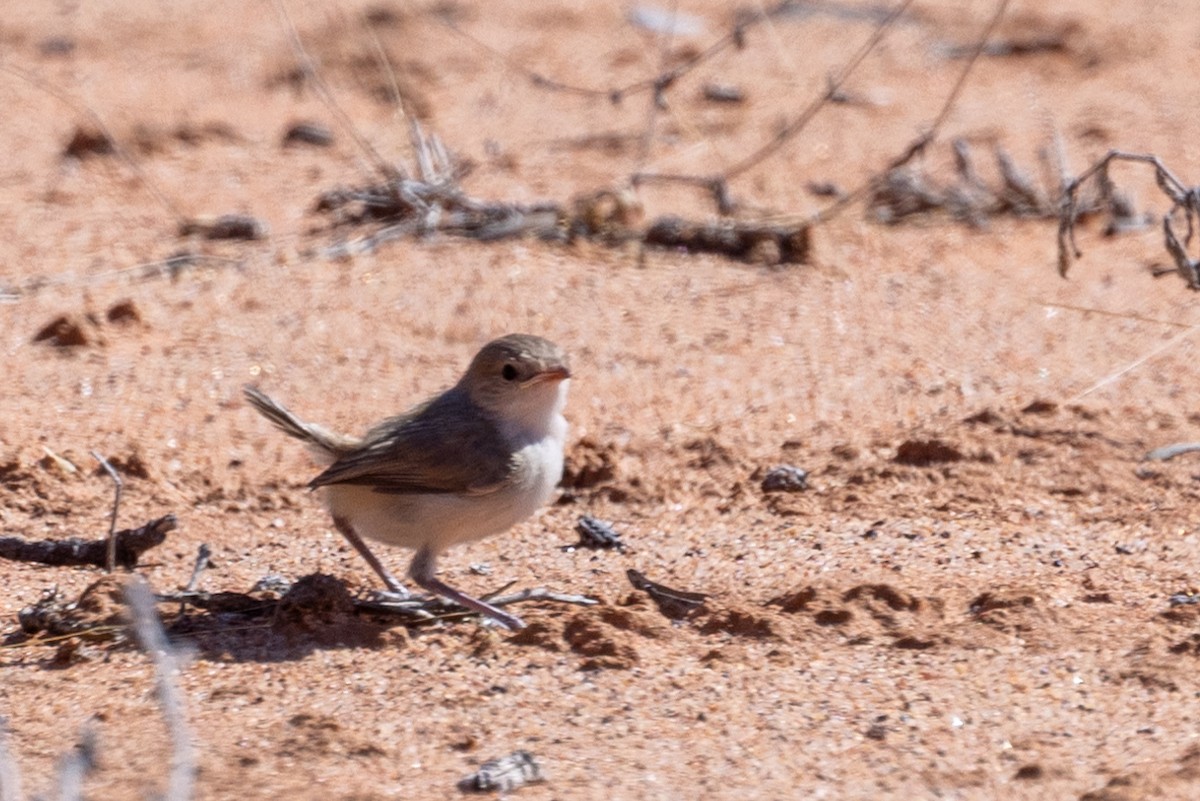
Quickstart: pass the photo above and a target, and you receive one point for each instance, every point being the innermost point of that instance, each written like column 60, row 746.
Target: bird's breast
column 441, row 520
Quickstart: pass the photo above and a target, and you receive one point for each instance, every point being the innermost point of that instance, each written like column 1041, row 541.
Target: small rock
column 1040, row 407
column 723, row 93
column 1030, row 772
column 504, row 774
column 665, row 21
column 785, row 478
column 87, row 142
column 595, row 533
column 56, row 46
column 123, row 312
column 308, row 133
column 63, row 332
column 227, row 226
column 924, row 452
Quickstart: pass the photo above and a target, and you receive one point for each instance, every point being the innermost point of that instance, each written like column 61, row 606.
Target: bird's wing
column 445, row 446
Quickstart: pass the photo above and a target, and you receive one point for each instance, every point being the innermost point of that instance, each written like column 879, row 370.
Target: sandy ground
column 972, row 599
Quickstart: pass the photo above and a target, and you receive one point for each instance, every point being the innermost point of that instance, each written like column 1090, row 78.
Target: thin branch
column 923, row 141
column 542, row 594
column 98, row 121
column 835, row 84
column 430, row 609
column 385, row 64
column 1106, row 313
column 1183, row 199
column 386, row 169
column 171, row 266
column 1167, row 452
column 980, row 45
column 658, row 100
column 658, row 84
column 203, row 557
column 110, row 562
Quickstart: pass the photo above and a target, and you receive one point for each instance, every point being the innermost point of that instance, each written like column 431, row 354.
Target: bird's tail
column 325, row 445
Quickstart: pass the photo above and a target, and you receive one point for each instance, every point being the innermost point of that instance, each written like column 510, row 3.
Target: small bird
column 466, row 464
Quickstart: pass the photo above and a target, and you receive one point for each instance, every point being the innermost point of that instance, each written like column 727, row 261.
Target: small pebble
column 308, row 133
column 227, row 226
column 87, row 142
column 123, row 312
column 56, row 46
column 595, row 533
column 63, row 332
column 724, row 93
column 665, row 21
column 503, row 775
column 785, row 478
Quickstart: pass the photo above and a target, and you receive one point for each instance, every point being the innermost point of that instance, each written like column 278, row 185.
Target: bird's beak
column 553, row 374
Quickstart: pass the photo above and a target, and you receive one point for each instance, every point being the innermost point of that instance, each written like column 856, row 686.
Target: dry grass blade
column 10, row 776
column 1136, row 363
column 166, row 667
column 385, row 168
column 75, row 766
column 121, row 152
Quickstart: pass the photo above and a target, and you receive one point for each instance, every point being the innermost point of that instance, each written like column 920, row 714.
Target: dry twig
column 110, row 559
column 756, row 241
column 311, row 592
column 123, row 548
column 922, row 142
column 429, row 609
column 1185, row 203
column 203, row 558
column 309, row 69
column 1167, row 452
column 675, row 604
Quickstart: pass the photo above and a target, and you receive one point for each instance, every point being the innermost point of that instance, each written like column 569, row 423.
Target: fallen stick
column 1171, row 451
column 424, row 608
column 129, row 545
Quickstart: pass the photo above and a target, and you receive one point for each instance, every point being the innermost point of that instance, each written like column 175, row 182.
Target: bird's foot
column 402, row 597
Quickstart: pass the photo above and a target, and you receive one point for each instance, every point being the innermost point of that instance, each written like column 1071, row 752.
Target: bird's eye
column 509, row 373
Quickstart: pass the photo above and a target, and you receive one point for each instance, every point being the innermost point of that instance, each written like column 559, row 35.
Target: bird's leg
column 421, row 572
column 347, row 531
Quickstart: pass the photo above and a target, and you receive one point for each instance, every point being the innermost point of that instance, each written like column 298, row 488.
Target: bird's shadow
column 316, row 613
